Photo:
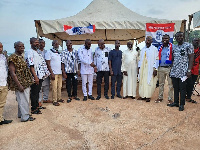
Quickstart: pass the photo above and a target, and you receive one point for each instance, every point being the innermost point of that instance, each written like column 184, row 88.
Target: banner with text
column 156, row 31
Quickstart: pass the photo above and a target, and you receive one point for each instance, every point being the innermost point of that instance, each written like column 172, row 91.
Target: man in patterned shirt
column 39, row 72
column 101, row 61
column 20, row 80
column 182, row 61
column 69, row 59
column 44, row 92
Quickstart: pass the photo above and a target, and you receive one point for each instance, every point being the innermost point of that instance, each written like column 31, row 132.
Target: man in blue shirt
column 115, row 62
column 165, row 56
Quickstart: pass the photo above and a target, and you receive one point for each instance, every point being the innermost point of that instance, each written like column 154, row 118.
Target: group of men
column 30, row 74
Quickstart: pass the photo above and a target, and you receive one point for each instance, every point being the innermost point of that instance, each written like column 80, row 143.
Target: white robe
column 147, row 63
column 129, row 64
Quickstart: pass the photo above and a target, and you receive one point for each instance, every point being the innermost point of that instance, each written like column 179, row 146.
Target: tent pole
column 189, row 24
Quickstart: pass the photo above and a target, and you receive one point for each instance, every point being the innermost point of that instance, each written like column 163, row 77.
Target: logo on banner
column 156, row 31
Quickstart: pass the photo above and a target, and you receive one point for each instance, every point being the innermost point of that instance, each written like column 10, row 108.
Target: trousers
column 87, row 78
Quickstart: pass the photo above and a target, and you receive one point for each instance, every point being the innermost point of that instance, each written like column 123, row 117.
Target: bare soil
column 119, row 124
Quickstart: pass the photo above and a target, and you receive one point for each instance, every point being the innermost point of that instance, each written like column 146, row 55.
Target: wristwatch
column 189, row 70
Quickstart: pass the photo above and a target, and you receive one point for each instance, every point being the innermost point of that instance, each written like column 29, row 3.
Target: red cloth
column 195, row 68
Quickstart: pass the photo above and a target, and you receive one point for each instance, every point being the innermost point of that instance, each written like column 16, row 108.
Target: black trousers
column 34, row 94
column 115, row 78
column 179, row 86
column 190, row 85
column 100, row 75
column 71, row 82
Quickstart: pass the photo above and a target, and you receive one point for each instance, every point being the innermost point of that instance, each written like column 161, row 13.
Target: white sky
column 17, row 16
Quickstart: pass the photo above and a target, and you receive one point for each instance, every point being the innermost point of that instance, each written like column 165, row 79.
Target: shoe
column 158, row 100
column 5, row 122
column 132, row 97
column 107, row 97
column 181, row 107
column 98, row 97
column 29, row 119
column 76, row 98
column 148, row 100
column 91, row 97
column 125, row 97
column 85, row 98
column 56, row 104
column 173, row 105
column 140, row 98
column 69, row 100
column 119, row 96
column 41, row 107
column 112, row 97
column 61, row 100
column 37, row 111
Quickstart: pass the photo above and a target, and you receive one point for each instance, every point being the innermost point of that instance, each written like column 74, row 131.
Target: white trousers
column 87, row 78
column 23, row 103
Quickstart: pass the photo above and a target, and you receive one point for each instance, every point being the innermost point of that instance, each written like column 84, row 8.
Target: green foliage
column 193, row 34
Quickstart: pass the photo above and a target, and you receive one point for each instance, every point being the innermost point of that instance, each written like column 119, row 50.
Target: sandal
column 158, row 100
column 170, row 101
column 193, row 101
column 47, row 101
column 56, row 104
column 61, row 100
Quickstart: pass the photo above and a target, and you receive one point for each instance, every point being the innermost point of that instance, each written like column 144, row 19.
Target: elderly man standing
column 3, row 85
column 70, row 70
column 87, row 68
column 115, row 63
column 53, row 60
column 129, row 69
column 165, row 61
column 20, row 80
column 183, row 56
column 39, row 72
column 101, row 61
column 147, row 68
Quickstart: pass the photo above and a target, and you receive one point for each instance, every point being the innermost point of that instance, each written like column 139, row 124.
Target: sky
column 17, row 16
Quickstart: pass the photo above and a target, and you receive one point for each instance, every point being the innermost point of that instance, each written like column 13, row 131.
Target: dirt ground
column 104, row 125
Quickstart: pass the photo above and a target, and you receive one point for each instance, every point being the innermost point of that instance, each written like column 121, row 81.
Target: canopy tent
column 196, row 19
column 113, row 21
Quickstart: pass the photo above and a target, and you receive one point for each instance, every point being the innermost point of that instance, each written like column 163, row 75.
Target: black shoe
column 119, row 96
column 91, row 97
column 98, row 97
column 29, row 119
column 106, row 96
column 85, row 98
column 112, row 97
column 181, row 108
column 69, row 100
column 173, row 105
column 125, row 97
column 5, row 122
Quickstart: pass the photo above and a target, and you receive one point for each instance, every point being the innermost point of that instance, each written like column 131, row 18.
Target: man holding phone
column 101, row 62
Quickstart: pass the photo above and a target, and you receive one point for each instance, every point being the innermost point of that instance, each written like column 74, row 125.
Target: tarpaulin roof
column 112, row 19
